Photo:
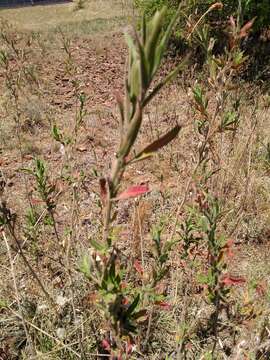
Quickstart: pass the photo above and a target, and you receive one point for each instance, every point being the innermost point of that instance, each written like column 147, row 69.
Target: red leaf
column 138, row 267
column 106, row 345
column 232, row 23
column 35, row 201
column 232, row 280
column 245, row 29
column 217, row 5
column 228, row 248
column 129, row 347
column 164, row 305
column 125, row 301
column 133, row 191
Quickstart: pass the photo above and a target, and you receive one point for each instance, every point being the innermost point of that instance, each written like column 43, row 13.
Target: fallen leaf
column 133, row 191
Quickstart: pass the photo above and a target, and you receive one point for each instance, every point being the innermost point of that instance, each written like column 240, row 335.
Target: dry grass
column 97, row 15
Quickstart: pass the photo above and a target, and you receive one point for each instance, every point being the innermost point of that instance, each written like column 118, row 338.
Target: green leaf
column 56, row 134
column 144, row 71
column 168, row 245
column 135, row 79
column 3, row 304
column 151, row 43
column 143, row 29
column 142, row 157
column 133, row 306
column 140, row 315
column 163, row 258
column 112, row 272
column 97, row 246
column 164, row 42
column 168, row 78
column 204, row 223
column 85, row 266
column 131, row 46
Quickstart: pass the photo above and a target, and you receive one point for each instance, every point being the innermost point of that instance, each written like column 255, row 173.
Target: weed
column 165, row 254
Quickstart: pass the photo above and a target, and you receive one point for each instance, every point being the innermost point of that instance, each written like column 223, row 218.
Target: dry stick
column 51, row 213
column 107, row 218
column 17, row 293
column 112, row 185
column 147, row 336
column 212, row 7
column 179, row 208
column 48, row 296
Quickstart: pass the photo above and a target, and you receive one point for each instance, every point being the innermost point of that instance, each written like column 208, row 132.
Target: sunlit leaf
column 246, row 28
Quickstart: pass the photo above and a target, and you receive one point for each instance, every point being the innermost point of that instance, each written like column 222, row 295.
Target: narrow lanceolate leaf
column 133, row 306
column 97, row 246
column 159, row 143
column 133, row 58
column 135, row 79
column 85, row 266
column 164, row 42
column 133, row 191
column 151, row 44
column 143, row 30
column 246, row 28
column 143, row 64
column 131, row 46
column 167, row 79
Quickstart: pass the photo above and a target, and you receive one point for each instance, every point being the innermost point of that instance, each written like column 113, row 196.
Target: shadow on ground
column 17, row 3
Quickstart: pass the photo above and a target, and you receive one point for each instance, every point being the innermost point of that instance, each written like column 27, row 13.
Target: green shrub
column 247, row 9
column 149, row 7
column 260, row 9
